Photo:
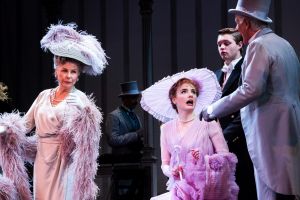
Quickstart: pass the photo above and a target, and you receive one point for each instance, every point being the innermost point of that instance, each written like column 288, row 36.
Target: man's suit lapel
column 220, row 76
column 235, row 74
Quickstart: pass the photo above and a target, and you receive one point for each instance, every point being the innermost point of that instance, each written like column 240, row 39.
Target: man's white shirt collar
column 231, row 66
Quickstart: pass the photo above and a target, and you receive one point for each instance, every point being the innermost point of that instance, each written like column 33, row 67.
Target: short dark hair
column 175, row 86
column 62, row 60
column 237, row 37
column 232, row 31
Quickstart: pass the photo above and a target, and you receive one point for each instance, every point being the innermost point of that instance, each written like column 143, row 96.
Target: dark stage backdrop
column 183, row 37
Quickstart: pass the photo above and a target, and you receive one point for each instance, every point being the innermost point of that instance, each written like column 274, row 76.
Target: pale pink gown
column 206, row 137
column 52, row 180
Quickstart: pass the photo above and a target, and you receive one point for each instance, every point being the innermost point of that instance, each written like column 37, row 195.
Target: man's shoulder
column 117, row 111
column 218, row 72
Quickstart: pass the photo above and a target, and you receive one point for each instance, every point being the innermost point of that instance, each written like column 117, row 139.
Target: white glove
column 74, row 100
column 3, row 129
column 166, row 170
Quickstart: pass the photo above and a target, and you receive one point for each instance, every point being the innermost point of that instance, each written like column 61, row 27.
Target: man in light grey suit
column 269, row 103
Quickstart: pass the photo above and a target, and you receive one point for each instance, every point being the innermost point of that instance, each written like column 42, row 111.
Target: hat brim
column 155, row 99
column 129, row 94
column 240, row 12
column 69, row 54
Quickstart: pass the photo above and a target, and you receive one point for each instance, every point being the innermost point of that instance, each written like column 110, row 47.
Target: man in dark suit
column 123, row 126
column 230, row 43
column 124, row 135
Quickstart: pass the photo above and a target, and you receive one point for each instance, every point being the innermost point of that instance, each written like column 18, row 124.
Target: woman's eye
column 183, row 91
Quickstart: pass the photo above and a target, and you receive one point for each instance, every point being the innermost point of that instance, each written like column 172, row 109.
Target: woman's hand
column 73, row 99
column 177, row 171
column 3, row 129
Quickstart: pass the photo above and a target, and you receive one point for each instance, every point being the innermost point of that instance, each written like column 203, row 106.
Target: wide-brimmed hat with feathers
column 66, row 41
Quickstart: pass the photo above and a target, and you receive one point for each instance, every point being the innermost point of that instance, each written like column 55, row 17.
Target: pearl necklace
column 53, row 100
column 186, row 121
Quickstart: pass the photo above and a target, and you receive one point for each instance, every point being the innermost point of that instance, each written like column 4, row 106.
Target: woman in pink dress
column 194, row 153
column 65, row 146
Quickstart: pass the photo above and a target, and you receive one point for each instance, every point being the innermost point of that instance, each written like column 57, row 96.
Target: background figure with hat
column 64, row 148
column 230, row 46
column 194, row 153
column 123, row 126
column 125, row 137
column 269, row 103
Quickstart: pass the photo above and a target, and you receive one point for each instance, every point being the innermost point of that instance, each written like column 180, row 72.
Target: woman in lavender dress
column 194, row 153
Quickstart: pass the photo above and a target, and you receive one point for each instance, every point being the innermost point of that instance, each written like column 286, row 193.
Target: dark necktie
column 131, row 118
column 134, row 119
column 222, row 79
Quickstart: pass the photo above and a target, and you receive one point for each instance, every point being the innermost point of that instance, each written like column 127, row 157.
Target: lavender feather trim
column 29, row 149
column 211, row 177
column 59, row 33
column 220, row 176
column 67, row 145
column 83, row 127
column 7, row 189
column 12, row 145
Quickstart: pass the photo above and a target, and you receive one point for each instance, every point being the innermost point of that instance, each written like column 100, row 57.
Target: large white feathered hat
column 64, row 40
column 155, row 99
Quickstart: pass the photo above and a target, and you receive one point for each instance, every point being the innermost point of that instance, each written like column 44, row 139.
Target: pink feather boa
column 80, row 135
column 7, row 189
column 13, row 147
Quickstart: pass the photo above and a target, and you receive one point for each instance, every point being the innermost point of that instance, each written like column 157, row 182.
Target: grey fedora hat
column 257, row 9
column 129, row 88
